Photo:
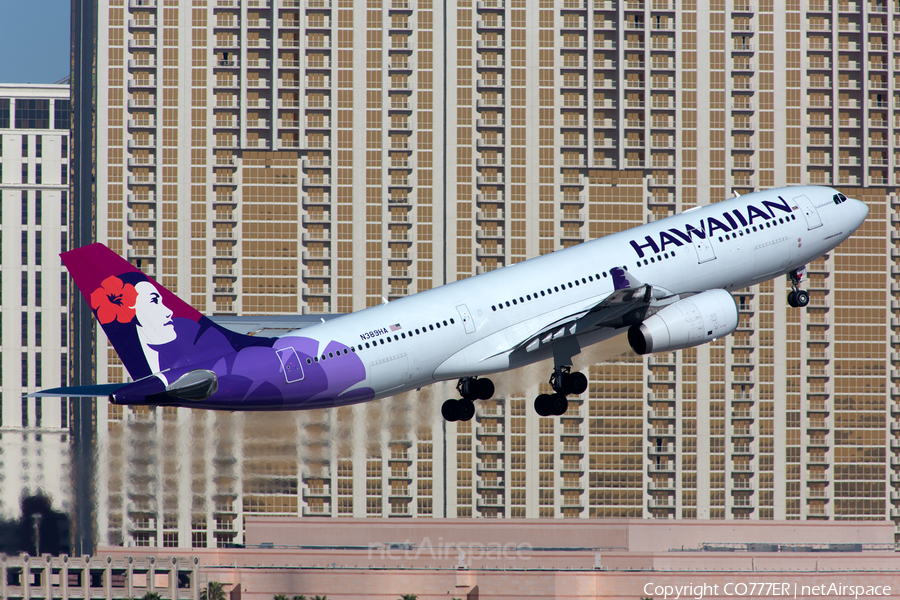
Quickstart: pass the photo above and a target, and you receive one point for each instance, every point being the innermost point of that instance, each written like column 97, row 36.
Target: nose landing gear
column 797, row 298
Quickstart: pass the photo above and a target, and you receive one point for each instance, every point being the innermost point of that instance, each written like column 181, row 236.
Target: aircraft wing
column 627, row 304
column 270, row 326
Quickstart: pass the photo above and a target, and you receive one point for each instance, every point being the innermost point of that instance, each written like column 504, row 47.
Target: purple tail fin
column 151, row 328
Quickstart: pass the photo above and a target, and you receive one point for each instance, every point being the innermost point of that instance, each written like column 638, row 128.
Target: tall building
column 34, row 171
column 262, row 157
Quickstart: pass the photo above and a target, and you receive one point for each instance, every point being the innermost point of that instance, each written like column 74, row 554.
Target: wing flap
column 628, row 303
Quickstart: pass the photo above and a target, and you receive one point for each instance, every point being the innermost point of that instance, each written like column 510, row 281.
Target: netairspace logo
column 447, row 551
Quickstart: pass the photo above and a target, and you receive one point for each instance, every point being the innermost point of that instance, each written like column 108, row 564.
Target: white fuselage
column 746, row 240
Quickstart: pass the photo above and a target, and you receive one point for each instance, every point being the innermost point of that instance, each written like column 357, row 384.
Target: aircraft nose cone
column 862, row 210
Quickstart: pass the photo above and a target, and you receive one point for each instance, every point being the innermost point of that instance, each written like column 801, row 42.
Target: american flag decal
column 396, row 327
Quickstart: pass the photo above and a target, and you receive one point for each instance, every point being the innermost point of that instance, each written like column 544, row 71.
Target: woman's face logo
column 154, row 318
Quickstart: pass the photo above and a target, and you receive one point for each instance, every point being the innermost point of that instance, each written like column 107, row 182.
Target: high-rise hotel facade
column 267, row 157
column 34, row 321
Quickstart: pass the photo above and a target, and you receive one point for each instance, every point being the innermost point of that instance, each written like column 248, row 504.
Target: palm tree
column 214, row 591
column 299, row 597
column 280, row 597
column 151, row 596
column 317, row 597
column 409, row 597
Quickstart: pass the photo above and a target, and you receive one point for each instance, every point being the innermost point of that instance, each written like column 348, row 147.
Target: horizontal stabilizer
column 79, row 391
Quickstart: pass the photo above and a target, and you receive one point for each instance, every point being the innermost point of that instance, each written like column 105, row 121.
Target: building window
column 62, row 116
column 24, row 401
column 37, row 329
column 37, row 208
column 38, row 146
column 64, row 147
column 24, row 146
column 32, row 114
column 4, row 113
column 38, row 175
column 24, row 204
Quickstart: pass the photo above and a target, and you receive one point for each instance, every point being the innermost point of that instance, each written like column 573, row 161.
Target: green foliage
column 299, row 597
column 409, row 597
column 214, row 591
column 151, row 596
column 280, row 597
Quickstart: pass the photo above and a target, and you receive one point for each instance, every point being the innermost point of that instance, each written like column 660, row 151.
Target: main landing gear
column 471, row 389
column 563, row 382
column 796, row 297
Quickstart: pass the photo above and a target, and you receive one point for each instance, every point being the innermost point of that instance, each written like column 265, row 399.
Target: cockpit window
column 838, row 198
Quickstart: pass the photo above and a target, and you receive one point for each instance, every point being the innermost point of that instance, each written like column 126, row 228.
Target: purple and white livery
column 666, row 283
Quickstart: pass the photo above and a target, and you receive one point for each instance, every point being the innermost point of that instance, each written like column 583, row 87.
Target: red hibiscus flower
column 114, row 301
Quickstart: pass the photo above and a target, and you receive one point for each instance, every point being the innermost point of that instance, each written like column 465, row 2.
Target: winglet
column 623, row 280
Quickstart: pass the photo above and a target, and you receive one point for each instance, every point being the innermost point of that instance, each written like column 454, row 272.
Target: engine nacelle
column 686, row 323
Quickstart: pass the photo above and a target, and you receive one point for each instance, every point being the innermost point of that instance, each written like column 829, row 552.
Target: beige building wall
column 317, row 156
column 34, row 177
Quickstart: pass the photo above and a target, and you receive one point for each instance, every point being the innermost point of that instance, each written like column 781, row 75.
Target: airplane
column 666, row 283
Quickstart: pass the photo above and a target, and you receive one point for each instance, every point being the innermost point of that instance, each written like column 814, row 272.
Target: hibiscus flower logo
column 114, row 301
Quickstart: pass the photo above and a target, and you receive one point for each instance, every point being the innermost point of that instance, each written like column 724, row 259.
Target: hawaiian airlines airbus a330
column 667, row 283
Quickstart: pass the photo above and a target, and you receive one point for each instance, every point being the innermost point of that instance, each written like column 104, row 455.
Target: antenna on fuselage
column 736, row 195
column 384, row 300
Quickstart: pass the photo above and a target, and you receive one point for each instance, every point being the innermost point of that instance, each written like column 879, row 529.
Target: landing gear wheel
column 448, row 411
column 576, row 383
column 465, row 410
column 559, row 404
column 797, row 298
column 543, row 405
column 484, row 389
column 472, row 388
column 792, row 299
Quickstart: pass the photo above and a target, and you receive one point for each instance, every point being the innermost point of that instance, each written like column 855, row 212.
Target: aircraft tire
column 484, row 389
column 448, row 411
column 801, row 298
column 543, row 405
column 465, row 410
column 576, row 383
column 560, row 404
column 792, row 299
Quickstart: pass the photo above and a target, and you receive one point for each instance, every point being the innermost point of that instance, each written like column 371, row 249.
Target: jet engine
column 686, row 323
